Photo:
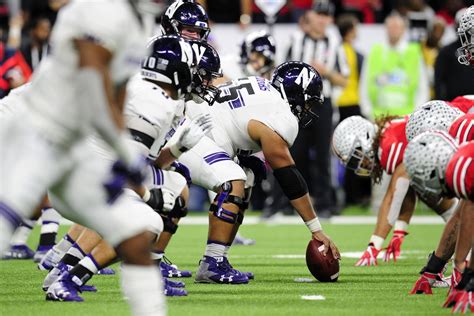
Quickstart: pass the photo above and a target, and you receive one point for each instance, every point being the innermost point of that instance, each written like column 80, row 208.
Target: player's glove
column 161, row 200
column 369, row 257
column 191, row 134
column 116, row 181
column 458, row 284
column 465, row 303
column 424, row 284
column 255, row 164
column 182, row 170
column 394, row 247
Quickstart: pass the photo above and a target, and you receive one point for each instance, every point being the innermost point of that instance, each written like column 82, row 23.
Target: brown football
column 323, row 268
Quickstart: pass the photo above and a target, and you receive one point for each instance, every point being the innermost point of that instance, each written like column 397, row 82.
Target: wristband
column 146, row 196
column 314, row 225
column 176, row 151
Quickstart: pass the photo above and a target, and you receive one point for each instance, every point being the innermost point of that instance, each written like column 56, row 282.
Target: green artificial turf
column 381, row 290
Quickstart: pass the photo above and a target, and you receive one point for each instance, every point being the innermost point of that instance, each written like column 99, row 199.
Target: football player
column 438, row 167
column 149, row 125
column 256, row 58
column 187, row 19
column 79, row 89
column 370, row 149
column 251, row 115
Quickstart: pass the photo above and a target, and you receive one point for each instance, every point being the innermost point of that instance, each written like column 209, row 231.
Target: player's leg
column 438, row 259
column 28, row 165
column 18, row 243
column 394, row 200
column 52, row 257
column 49, row 229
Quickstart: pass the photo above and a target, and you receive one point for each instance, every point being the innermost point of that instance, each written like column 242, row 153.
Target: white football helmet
column 433, row 115
column 466, row 35
column 426, row 158
column 352, row 143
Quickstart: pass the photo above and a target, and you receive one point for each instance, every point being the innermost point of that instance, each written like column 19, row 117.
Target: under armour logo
column 228, row 279
column 305, row 77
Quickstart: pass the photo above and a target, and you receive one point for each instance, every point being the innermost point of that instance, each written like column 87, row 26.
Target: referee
column 311, row 150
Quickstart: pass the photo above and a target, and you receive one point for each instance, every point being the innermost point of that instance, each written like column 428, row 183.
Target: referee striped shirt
column 327, row 51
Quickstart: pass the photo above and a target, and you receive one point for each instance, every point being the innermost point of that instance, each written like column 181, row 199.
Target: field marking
column 313, row 297
column 296, row 220
column 350, row 254
column 305, row 280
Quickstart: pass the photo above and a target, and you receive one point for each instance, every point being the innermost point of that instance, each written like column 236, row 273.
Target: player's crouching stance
column 438, row 167
column 251, row 115
column 155, row 103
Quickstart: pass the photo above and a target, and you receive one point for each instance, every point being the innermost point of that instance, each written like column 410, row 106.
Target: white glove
column 192, row 134
column 168, row 200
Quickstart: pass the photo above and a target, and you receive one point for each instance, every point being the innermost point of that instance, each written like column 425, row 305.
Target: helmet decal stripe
column 460, row 130
column 456, row 177
column 463, row 176
column 467, row 132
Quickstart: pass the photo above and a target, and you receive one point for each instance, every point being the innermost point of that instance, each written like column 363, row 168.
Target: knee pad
column 179, row 210
column 224, row 197
column 240, row 218
column 169, row 226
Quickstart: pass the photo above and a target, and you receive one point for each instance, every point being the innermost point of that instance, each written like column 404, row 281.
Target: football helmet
column 185, row 13
column 425, row 159
column 301, row 85
column 208, row 68
column 352, row 142
column 465, row 32
column 263, row 44
column 433, row 115
column 171, row 61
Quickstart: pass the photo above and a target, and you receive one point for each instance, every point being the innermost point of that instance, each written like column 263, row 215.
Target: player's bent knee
column 232, row 193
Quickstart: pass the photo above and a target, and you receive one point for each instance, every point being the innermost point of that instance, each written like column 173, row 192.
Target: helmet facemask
column 465, row 53
column 361, row 161
column 202, row 84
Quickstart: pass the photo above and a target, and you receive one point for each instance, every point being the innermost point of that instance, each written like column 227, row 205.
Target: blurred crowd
column 408, row 69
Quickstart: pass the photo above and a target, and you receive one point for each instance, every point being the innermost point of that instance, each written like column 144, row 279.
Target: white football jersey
column 241, row 101
column 150, row 114
column 113, row 24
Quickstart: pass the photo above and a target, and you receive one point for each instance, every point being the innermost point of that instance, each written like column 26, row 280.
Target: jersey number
column 230, row 93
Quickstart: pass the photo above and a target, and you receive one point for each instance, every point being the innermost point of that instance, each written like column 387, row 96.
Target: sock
column 73, row 255
column 49, row 227
column 85, row 269
column 226, row 251
column 64, row 244
column 215, row 249
column 377, row 241
column 400, row 225
column 434, row 265
column 143, row 287
column 21, row 234
column 157, row 255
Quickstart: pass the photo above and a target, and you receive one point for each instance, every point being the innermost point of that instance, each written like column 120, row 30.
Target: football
column 323, row 268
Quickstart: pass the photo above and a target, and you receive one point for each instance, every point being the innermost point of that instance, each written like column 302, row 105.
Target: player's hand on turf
column 328, row 244
column 465, row 303
column 394, row 247
column 369, row 257
column 196, row 130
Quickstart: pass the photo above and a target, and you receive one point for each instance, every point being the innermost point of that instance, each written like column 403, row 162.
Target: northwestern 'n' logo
column 305, row 77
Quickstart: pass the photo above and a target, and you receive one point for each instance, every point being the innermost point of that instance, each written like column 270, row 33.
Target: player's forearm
column 165, row 159
column 304, row 207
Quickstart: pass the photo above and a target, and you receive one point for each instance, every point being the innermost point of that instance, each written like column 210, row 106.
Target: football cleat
column 176, row 284
column 106, row 271
column 64, row 290
column 394, row 247
column 169, row 270
column 19, row 252
column 54, row 274
column 369, row 257
column 424, row 284
column 217, row 270
column 172, row 291
column 241, row 240
column 40, row 252
column 249, row 275
column 50, row 260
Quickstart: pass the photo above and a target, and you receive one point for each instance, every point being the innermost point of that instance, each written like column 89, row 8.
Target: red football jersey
column 392, row 144
column 460, row 172
column 463, row 128
column 464, row 104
